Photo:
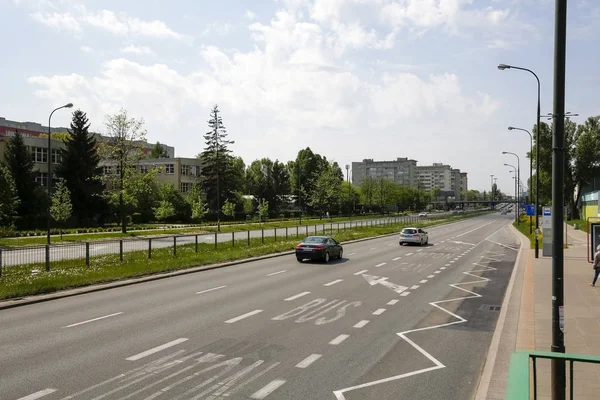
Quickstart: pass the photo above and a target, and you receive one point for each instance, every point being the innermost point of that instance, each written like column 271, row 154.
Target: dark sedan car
column 319, row 248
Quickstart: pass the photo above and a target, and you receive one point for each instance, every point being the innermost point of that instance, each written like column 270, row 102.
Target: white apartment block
column 402, row 171
column 438, row 175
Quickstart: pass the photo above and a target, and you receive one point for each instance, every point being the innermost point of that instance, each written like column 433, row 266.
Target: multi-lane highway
column 385, row 322
column 37, row 254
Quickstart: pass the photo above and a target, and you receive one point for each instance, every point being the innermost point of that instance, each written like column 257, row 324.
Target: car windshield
column 409, row 231
column 315, row 239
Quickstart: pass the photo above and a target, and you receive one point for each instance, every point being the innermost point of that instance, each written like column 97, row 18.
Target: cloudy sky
column 352, row 79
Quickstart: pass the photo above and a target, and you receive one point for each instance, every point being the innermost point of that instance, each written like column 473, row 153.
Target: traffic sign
column 547, row 211
column 530, row 209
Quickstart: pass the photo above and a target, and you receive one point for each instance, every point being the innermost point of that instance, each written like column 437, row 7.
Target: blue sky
column 352, row 79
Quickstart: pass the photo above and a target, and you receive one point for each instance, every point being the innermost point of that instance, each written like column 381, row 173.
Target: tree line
column 100, row 180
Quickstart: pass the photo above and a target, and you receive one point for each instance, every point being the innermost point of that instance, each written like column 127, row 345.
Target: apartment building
column 402, row 171
column 464, row 187
column 438, row 175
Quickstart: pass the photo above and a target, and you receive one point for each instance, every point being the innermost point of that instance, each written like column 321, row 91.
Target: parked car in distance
column 422, row 214
column 322, row 248
column 414, row 235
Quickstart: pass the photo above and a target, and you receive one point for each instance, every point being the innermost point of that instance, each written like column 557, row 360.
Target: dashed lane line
column 404, row 293
column 92, row 320
column 333, row 282
column 351, row 254
column 409, row 254
column 437, row 272
column 361, row 272
column 423, row 281
column 339, row 339
column 380, row 265
column 414, row 287
column 443, row 268
column 268, row 389
column 38, row 395
column 297, row 296
column 431, row 276
column 361, row 323
column 211, row 289
column 243, row 316
column 379, row 311
column 156, row 349
column 308, row 360
column 392, row 302
column 277, row 273
column 396, row 259
column 373, row 248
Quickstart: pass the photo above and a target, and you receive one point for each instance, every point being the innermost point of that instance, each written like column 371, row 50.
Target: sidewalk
column 531, row 329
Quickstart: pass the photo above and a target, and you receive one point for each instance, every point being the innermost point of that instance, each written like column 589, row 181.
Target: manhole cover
column 488, row 307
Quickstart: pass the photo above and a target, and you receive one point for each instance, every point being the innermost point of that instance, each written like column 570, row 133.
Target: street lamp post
column 49, row 180
column 349, row 189
column 516, row 190
column 510, row 128
column 492, row 190
column 518, row 181
column 537, row 154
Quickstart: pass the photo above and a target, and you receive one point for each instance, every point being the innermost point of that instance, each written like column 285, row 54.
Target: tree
column 181, row 207
column 367, row 192
column 586, row 155
column 61, row 208
column 304, row 172
column 473, row 195
column 229, row 208
column 196, row 201
column 263, row 209
column 80, row 171
column 9, row 198
column 268, row 180
column 21, row 168
column 217, row 172
column 164, row 211
column 326, row 192
column 385, row 193
column 349, row 196
column 122, row 151
column 158, row 151
column 248, row 206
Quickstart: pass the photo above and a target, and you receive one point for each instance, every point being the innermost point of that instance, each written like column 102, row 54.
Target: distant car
column 414, row 235
column 319, row 248
column 422, row 214
column 503, row 212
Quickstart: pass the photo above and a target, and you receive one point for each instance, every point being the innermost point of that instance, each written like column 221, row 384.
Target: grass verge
column 32, row 279
column 581, row 224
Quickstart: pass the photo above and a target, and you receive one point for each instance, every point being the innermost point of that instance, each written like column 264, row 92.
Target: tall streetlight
column 502, row 67
column 349, row 188
column 510, row 128
column 492, row 190
column 516, row 190
column 49, row 181
column 518, row 181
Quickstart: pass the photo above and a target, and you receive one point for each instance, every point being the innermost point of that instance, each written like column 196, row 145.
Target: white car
column 422, row 214
column 414, row 235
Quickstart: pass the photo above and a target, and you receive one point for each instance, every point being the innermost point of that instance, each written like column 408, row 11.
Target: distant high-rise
column 402, row 171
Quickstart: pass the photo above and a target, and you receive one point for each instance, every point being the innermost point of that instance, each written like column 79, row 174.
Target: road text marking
column 339, row 339
column 333, row 282
column 361, row 323
column 361, row 272
column 210, row 290
column 39, row 394
column 308, row 360
column 92, row 320
column 157, row 349
column 297, row 296
column 278, row 272
column 236, row 319
column 379, row 311
column 268, row 389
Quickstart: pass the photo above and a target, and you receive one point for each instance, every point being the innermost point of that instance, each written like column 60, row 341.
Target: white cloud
column 251, row 15
column 86, row 49
column 139, row 50
column 219, row 28
column 58, row 21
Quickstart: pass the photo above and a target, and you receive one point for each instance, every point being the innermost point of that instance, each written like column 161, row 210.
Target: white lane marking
column 268, row 389
column 361, row 272
column 241, row 317
column 457, row 242
column 503, row 245
column 473, row 230
column 437, row 272
column 276, row 273
column 431, row 276
column 380, row 265
column 414, row 287
column 308, row 360
column 38, row 395
column 297, row 296
column 382, row 280
column 423, row 281
column 396, row 259
column 419, row 250
column 452, row 261
column 339, row 339
column 361, row 323
column 447, row 265
column 392, row 302
column 351, row 254
column 210, row 290
column 379, row 311
column 442, row 267
column 409, row 254
column 373, row 248
column 405, row 294
column 92, row 320
column 333, row 282
column 156, row 349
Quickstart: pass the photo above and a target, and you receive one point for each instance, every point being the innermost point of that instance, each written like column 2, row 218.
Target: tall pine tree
column 80, row 171
column 217, row 171
column 21, row 167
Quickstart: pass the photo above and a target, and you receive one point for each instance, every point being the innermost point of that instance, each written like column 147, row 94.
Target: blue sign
column 547, row 211
column 530, row 209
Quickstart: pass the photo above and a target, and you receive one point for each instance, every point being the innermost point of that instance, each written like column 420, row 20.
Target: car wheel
column 299, row 259
column 326, row 257
column 341, row 254
column 421, row 243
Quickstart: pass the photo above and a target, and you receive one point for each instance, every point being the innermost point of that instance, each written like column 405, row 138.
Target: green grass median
column 32, row 279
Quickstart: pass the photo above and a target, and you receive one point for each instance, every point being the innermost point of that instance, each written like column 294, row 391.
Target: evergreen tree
column 158, row 151
column 21, row 167
column 9, row 199
column 80, row 171
column 217, row 171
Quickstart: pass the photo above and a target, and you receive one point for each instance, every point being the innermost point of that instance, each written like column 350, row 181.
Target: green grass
column 523, row 227
column 32, row 279
column 581, row 223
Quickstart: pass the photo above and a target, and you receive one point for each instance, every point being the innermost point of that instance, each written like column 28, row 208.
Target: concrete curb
column 488, row 369
column 23, row 301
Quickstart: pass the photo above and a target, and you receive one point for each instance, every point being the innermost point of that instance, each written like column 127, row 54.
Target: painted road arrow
column 382, row 280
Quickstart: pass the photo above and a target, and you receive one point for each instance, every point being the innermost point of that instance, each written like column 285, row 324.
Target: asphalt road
column 385, row 322
column 37, row 254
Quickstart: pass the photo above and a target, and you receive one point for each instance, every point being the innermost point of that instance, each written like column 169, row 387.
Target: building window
column 143, row 169
column 42, row 179
column 56, row 157
column 39, row 154
column 169, row 168
column 107, row 169
column 185, row 187
column 186, row 170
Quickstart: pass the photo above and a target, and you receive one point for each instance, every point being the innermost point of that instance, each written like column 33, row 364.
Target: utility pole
column 558, row 159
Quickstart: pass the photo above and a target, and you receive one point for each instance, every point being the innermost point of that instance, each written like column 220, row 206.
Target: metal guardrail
column 523, row 362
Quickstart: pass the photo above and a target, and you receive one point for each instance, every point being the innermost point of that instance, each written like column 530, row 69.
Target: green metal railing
column 519, row 380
